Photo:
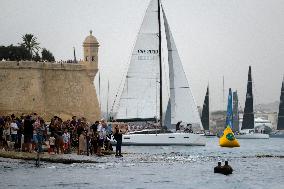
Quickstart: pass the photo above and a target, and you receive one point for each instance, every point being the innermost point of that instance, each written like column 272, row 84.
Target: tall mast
column 75, row 60
column 160, row 61
column 107, row 98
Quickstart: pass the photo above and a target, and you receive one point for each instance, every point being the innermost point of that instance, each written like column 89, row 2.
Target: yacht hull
column 163, row 139
column 278, row 134
column 252, row 136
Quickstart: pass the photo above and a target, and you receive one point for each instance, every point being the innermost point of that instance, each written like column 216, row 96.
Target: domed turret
column 91, row 39
column 91, row 46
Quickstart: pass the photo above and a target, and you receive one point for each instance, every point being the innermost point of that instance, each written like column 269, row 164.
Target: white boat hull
column 252, row 136
column 163, row 139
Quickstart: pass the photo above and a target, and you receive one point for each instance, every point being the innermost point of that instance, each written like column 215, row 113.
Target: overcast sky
column 215, row 38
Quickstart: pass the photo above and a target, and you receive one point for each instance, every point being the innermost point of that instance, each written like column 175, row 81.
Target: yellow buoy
column 228, row 139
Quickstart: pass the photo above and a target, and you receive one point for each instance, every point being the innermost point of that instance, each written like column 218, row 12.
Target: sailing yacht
column 205, row 116
column 236, row 117
column 247, row 127
column 142, row 95
column 279, row 133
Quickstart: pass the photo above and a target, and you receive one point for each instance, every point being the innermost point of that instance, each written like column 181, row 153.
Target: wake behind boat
column 139, row 98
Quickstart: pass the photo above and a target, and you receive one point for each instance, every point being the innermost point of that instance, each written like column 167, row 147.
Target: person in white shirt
column 66, row 140
column 102, row 135
column 14, row 129
column 51, row 143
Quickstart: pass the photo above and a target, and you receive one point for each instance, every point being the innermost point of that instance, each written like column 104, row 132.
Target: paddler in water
column 227, row 169
column 218, row 168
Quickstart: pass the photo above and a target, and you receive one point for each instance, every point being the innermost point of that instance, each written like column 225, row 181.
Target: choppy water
column 159, row 167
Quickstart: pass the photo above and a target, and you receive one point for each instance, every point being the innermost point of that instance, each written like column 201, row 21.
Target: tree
column 14, row 53
column 30, row 43
column 46, row 55
column 36, row 57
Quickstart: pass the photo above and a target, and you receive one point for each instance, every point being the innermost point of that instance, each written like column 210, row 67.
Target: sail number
column 148, row 51
column 146, row 54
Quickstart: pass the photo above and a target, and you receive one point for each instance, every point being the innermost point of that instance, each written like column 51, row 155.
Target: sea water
column 257, row 164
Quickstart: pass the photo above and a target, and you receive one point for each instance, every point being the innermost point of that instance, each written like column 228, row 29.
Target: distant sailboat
column 235, row 112
column 280, row 123
column 205, row 111
column 138, row 101
column 247, row 130
column 205, row 119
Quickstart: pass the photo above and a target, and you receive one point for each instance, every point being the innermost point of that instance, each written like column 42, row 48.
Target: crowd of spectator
column 30, row 133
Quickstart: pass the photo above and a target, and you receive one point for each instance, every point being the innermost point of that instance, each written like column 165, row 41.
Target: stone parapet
column 48, row 88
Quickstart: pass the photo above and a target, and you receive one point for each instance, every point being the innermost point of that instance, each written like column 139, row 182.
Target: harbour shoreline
column 61, row 158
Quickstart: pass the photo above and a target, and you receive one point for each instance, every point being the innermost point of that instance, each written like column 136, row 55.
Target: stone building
column 50, row 88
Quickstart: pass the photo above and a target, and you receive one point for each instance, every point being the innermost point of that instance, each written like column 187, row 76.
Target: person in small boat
column 218, row 168
column 178, row 125
column 117, row 134
column 227, row 169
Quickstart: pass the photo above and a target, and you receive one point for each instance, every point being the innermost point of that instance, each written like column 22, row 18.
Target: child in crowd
column 51, row 144
column 34, row 142
column 66, row 140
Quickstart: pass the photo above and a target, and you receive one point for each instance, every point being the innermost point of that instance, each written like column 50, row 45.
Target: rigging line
column 123, row 79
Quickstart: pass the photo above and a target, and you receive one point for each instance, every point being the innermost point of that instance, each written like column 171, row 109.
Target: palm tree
column 30, row 43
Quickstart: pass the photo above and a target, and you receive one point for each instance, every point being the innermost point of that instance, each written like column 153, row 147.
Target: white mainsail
column 183, row 106
column 139, row 98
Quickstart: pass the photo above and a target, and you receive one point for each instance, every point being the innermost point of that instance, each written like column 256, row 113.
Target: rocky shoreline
column 62, row 158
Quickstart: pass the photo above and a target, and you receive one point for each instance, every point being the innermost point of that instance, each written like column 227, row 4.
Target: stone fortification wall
column 48, row 89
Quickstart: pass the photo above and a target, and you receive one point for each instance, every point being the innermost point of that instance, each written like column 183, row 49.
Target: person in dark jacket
column 227, row 169
column 28, row 133
column 218, row 168
column 118, row 137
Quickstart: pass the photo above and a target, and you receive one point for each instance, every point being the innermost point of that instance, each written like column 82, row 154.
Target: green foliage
column 14, row 53
column 28, row 50
column 30, row 43
column 36, row 57
column 47, row 55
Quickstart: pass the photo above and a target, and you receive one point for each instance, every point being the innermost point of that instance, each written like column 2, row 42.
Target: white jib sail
column 139, row 98
column 183, row 106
